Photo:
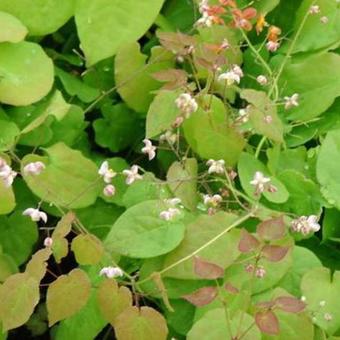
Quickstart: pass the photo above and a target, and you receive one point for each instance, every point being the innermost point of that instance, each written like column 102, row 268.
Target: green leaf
column 67, row 295
column 247, row 167
column 9, row 132
column 133, row 74
column 141, row 324
column 162, row 113
column 26, row 73
column 209, row 127
column 299, row 76
column 7, row 199
column 140, row 232
column 18, row 235
column 113, row 300
column 199, row 232
column 75, row 87
column 318, row 285
column 118, row 129
column 182, row 180
column 87, row 249
column 314, row 34
column 19, row 295
column 12, row 30
column 39, row 16
column 69, row 179
column 125, row 20
column 330, row 225
column 263, row 108
column 7, row 266
column 303, row 261
column 213, row 326
column 86, row 324
column 328, row 167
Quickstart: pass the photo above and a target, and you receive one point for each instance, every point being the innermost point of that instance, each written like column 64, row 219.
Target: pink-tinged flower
column 111, row 272
column 132, row 175
column 48, row 242
column 213, row 200
column 272, row 46
column 324, row 20
column 7, row 175
column 187, row 104
column 149, row 149
column 34, row 168
column 232, row 76
column 109, row 190
column 305, row 224
column 315, row 9
column 169, row 137
column 169, row 214
column 260, row 272
column 216, row 167
column 205, row 20
column 249, row 268
column 106, row 172
column 262, row 80
column 259, row 182
column 292, row 101
column 35, row 214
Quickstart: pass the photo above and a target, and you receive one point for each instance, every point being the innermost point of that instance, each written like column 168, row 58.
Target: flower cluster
column 210, row 14
column 7, row 174
column 187, row 104
column 172, row 211
column 305, row 224
column 212, row 200
column 107, row 174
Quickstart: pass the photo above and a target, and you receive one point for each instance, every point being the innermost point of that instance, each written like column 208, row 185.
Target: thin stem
column 259, row 147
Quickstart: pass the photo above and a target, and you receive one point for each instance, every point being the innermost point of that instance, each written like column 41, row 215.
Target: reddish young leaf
column 202, row 296
column 172, row 77
column 247, row 242
column 267, row 322
column 274, row 253
column 207, row 270
column 266, row 304
column 290, row 304
column 273, row 229
column 231, row 289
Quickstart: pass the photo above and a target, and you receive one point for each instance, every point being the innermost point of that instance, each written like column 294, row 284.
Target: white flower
column 106, row 172
column 111, row 272
column 132, row 175
column 173, row 201
column 214, row 200
column 315, row 9
column 203, row 6
column 216, row 166
column 169, row 137
column 324, row 20
column 205, row 21
column 48, row 242
column 34, row 168
column 149, row 149
column 259, row 182
column 7, row 175
column 262, row 80
column 187, row 104
column 169, row 214
column 305, row 225
column 328, row 317
column 260, row 272
column 109, row 190
column 272, row 46
column 35, row 214
column 232, row 76
column 237, row 70
column 291, row 101
column 244, row 115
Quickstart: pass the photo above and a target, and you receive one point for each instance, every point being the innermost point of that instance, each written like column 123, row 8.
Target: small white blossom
column 35, row 214
column 303, row 298
column 322, row 303
column 187, row 104
column 324, row 20
column 205, row 20
column 203, row 6
column 213, row 200
column 169, row 214
column 48, row 242
column 173, row 201
column 260, row 272
column 259, row 182
column 262, row 80
column 169, row 137
column 109, row 190
column 237, row 70
column 216, row 167
column 272, row 46
column 149, row 149
column 315, row 9
column 111, row 272
column 232, row 76
column 132, row 175
column 7, row 175
column 243, row 115
column 106, row 172
column 328, row 317
column 34, row 168
column 292, row 101
column 305, row 224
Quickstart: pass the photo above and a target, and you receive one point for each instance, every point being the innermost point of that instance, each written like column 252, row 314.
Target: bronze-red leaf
column 207, row 270
column 248, row 242
column 267, row 322
column 290, row 304
column 202, row 296
column 273, row 229
column 274, row 253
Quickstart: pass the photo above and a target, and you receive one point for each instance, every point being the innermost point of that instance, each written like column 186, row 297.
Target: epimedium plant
column 169, row 175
